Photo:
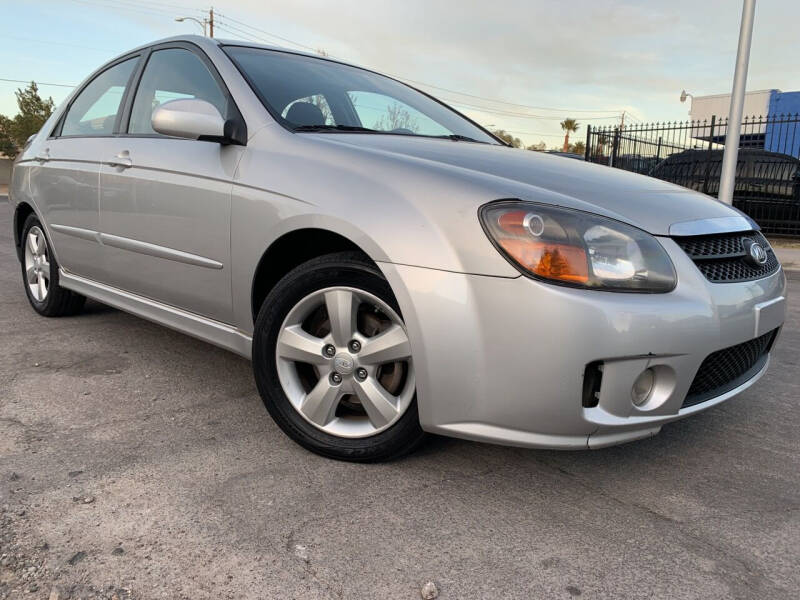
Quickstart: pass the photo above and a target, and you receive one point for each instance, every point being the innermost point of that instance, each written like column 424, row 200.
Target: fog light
column 643, row 387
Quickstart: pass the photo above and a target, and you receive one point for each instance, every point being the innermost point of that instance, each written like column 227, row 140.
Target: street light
column 199, row 22
column 684, row 95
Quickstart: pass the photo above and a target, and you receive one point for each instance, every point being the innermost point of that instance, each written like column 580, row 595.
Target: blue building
column 782, row 133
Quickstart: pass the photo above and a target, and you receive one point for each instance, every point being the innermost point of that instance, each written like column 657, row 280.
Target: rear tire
column 40, row 274
column 349, row 426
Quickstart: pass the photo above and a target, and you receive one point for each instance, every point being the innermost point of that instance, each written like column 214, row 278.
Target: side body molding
column 137, row 246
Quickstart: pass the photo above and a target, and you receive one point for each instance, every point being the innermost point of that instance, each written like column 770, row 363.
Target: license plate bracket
column 770, row 315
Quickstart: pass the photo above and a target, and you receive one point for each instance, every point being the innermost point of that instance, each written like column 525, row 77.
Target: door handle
column 121, row 160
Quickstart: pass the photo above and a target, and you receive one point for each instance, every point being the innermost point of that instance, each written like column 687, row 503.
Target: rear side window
column 173, row 74
column 94, row 111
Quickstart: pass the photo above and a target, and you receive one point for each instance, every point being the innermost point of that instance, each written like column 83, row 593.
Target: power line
column 251, row 37
column 506, row 113
column 160, row 4
column 564, row 110
column 240, row 33
column 496, row 101
column 150, row 11
column 156, row 7
column 37, row 82
column 287, row 40
column 153, row 8
column 558, row 135
column 40, row 41
column 150, row 8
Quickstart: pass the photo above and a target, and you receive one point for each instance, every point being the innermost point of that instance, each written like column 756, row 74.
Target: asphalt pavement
column 136, row 462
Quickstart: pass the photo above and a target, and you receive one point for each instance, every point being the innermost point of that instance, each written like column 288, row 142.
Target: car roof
column 211, row 43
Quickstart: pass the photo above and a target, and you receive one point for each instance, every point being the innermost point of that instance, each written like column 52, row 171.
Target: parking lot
column 136, row 462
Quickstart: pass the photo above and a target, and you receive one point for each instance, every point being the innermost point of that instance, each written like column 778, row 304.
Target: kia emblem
column 756, row 254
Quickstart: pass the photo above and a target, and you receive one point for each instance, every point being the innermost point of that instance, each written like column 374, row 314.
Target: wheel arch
column 290, row 250
column 21, row 213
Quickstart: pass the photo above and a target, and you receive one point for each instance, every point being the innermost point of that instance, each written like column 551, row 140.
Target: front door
column 165, row 202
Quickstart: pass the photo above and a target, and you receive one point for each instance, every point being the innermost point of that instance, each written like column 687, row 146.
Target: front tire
column 333, row 364
column 40, row 274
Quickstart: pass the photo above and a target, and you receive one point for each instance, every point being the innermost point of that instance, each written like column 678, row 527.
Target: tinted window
column 292, row 85
column 172, row 74
column 94, row 110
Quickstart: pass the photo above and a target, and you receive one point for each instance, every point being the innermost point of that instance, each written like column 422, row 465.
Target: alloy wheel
column 344, row 362
column 37, row 264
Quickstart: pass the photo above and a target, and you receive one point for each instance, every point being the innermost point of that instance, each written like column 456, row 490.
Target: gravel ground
column 136, row 462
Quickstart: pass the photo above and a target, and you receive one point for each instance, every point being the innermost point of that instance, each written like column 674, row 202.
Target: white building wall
column 756, row 104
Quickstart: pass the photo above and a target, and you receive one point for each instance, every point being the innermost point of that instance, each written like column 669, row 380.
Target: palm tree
column 570, row 126
column 600, row 148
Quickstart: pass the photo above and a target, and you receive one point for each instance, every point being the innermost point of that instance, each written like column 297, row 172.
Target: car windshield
column 309, row 94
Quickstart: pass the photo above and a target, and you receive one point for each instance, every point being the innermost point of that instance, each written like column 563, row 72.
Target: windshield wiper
column 353, row 128
column 317, row 128
column 461, row 138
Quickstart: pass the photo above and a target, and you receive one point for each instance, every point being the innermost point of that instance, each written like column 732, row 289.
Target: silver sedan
column 390, row 267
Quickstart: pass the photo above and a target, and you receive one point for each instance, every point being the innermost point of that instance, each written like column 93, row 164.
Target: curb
column 792, row 274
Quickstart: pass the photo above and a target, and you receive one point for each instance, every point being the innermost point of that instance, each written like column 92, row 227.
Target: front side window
column 172, row 74
column 313, row 94
column 94, row 111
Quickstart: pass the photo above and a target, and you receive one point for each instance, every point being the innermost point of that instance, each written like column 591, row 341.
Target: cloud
column 570, row 54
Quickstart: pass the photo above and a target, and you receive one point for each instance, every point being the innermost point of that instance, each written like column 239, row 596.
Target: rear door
column 165, row 202
column 65, row 177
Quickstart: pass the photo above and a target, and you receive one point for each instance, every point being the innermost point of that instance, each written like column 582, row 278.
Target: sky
column 522, row 66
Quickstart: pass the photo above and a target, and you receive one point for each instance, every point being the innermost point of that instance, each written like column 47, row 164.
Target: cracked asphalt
column 136, row 462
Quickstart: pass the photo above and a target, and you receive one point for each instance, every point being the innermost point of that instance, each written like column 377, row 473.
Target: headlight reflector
column 577, row 248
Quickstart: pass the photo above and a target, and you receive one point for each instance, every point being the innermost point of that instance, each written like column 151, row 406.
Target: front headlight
column 576, row 248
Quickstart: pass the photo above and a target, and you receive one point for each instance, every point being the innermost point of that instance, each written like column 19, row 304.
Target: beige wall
column 756, row 104
column 5, row 171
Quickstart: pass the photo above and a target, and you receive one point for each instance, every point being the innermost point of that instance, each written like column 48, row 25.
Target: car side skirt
column 208, row 330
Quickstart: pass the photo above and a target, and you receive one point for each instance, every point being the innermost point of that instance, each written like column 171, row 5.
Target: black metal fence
column 690, row 154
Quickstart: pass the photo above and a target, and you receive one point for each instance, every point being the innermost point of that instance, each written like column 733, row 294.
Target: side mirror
column 195, row 120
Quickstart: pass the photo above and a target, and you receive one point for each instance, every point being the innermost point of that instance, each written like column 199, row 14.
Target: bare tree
column 396, row 117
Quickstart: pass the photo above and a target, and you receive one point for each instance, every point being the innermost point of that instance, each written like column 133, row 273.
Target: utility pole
column 209, row 22
column 622, row 121
column 730, row 156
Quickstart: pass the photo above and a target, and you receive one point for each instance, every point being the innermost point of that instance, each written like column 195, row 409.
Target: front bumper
column 503, row 359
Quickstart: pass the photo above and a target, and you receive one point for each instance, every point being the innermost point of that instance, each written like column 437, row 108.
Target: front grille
column 722, row 257
column 728, row 368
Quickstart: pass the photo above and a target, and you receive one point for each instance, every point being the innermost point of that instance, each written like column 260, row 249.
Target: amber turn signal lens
column 561, row 262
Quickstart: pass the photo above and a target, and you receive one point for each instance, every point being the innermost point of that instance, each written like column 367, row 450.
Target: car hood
column 644, row 202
